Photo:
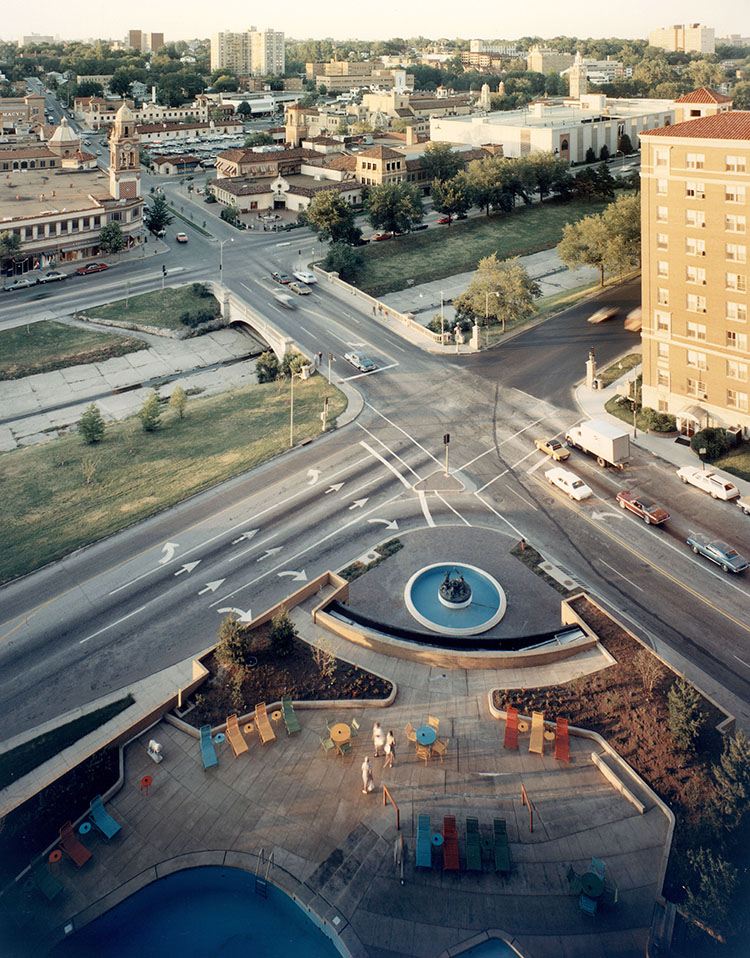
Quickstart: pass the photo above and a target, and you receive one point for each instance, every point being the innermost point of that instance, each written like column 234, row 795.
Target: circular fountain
column 455, row 599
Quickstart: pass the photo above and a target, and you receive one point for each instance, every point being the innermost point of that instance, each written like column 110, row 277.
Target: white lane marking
column 747, row 664
column 255, row 545
column 395, row 455
column 533, row 398
column 620, row 575
column 518, row 432
column 425, row 508
column 493, row 510
column 523, row 499
column 113, row 624
column 498, row 476
column 371, row 372
column 354, row 320
column 305, row 330
column 405, row 433
column 475, row 459
column 533, row 469
column 344, row 341
column 396, row 346
column 387, row 464
column 454, row 511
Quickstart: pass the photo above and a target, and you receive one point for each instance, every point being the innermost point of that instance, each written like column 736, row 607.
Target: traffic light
column 164, row 269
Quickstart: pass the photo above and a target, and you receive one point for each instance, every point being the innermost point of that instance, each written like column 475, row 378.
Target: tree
column 178, row 401
column 112, row 239
column 120, row 83
column 624, row 145
column 649, row 668
column 157, row 216
column 10, row 247
column 230, row 214
column 546, row 172
column 244, row 109
column 259, row 139
column 623, row 221
column 344, row 260
column 590, row 156
column 440, row 161
column 394, row 207
column 91, row 425
column 330, row 217
column 685, row 716
column 236, row 644
column 452, row 197
column 292, row 363
column 282, row 633
column 604, row 153
column 732, row 780
column 610, row 242
column 741, row 95
column 500, row 291
column 149, row 413
column 717, row 880
column 89, row 88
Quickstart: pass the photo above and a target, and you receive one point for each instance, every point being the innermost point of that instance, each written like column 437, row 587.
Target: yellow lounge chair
column 263, row 725
column 536, row 743
column 235, row 736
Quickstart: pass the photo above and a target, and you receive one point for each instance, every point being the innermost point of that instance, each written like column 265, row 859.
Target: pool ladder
column 261, row 880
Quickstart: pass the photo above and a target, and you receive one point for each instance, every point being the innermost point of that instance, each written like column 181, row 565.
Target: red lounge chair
column 562, row 744
column 511, row 728
column 74, row 849
column 450, row 844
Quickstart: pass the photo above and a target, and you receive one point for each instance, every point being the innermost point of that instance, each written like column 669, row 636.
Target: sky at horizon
column 179, row 20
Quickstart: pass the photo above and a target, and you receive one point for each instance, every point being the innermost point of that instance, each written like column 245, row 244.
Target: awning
column 692, row 412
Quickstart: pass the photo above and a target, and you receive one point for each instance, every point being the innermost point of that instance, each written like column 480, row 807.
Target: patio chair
column 562, row 742
column 290, row 716
column 502, row 851
column 327, row 744
column 473, row 846
column 536, row 742
column 208, row 752
column 235, row 736
column 411, row 732
column 424, row 842
column 263, row 724
column 598, row 867
column 435, row 723
column 574, row 880
column 75, row 850
column 440, row 748
column 331, row 720
column 511, row 728
column 102, row 819
column 450, row 844
column 354, row 726
column 424, row 752
column 44, row 880
column 344, row 748
column 587, row 905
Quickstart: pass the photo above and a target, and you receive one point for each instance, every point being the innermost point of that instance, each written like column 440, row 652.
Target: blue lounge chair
column 208, row 752
column 424, row 842
column 44, row 880
column 102, row 819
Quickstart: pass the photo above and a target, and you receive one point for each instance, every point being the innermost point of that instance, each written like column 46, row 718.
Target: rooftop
column 704, row 95
column 566, row 113
column 732, row 125
column 31, row 193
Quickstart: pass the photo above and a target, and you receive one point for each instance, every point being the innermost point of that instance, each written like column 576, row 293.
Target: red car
column 382, row 236
column 445, row 219
column 651, row 514
column 91, row 268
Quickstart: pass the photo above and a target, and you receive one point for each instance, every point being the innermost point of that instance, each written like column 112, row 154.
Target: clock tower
column 124, row 163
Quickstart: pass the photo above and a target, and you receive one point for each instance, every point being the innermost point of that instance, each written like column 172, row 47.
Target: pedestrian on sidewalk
column 320, row 358
column 390, row 749
column 378, row 739
column 367, row 783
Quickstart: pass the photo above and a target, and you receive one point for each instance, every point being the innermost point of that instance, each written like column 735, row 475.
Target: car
column 709, row 482
column 651, row 514
column 91, row 268
column 743, row 503
column 301, row 289
column 444, row 220
column 634, row 320
column 381, row 236
column 419, row 227
column 603, row 314
column 569, row 483
column 285, row 300
column 181, row 237
column 554, row 448
column 22, row 283
column 717, row 551
column 159, row 233
column 282, row 278
column 305, row 277
column 360, row 361
column 54, row 276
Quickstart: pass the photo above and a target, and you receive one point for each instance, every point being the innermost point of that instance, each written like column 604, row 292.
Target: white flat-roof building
column 565, row 127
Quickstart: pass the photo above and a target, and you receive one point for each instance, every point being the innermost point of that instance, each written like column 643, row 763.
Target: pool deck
column 333, row 847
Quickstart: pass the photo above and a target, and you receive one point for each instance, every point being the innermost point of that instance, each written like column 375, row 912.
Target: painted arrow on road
column 268, row 552
column 358, row 504
column 296, row 576
column 389, row 523
column 211, row 586
column 607, row 515
column 334, row 488
column 169, row 549
column 242, row 616
column 188, row 567
column 245, row 535
column 313, row 475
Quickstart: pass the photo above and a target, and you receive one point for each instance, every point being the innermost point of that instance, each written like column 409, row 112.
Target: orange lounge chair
column 235, row 736
column 450, row 844
column 562, row 743
column 75, row 850
column 511, row 728
column 263, row 724
column 536, row 742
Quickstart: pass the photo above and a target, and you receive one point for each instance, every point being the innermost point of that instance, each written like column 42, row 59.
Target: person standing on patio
column 378, row 739
column 390, row 750
column 367, row 782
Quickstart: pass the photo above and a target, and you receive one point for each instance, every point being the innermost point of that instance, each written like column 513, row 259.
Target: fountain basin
column 485, row 607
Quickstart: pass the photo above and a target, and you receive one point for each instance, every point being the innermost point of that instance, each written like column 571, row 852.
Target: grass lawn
column 622, row 366
column 41, row 347
column 160, row 308
column 737, row 461
column 47, row 510
column 435, row 253
column 623, row 411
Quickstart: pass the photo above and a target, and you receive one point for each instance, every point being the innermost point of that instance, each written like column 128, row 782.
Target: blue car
column 717, row 551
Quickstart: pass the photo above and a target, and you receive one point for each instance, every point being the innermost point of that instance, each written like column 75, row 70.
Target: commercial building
column 703, row 102
column 34, row 39
column 543, row 60
column 19, row 114
column 695, row 184
column 249, row 53
column 684, row 38
column 145, row 42
column 483, row 46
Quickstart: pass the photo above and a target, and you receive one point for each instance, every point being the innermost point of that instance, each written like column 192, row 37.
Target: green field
column 161, row 308
column 422, row 257
column 47, row 345
column 737, row 461
column 48, row 510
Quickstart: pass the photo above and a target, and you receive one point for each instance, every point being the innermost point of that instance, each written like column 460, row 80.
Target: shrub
column 267, row 367
column 685, row 716
column 292, row 363
column 282, row 633
column 91, row 425
column 714, row 440
column 658, row 421
column 236, row 646
column 178, row 401
column 149, row 413
column 200, row 289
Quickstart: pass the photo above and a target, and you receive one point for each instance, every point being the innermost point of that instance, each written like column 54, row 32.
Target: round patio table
column 84, row 828
column 437, row 839
column 592, row 885
column 426, row 735
column 248, row 728
column 340, row 733
column 549, row 734
column 523, row 726
column 219, row 738
column 276, row 715
column 55, row 856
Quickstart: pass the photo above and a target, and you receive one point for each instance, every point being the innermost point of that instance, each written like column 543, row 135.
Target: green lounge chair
column 502, row 851
column 290, row 718
column 354, row 726
column 424, row 842
column 345, row 747
column 473, row 846
column 45, row 881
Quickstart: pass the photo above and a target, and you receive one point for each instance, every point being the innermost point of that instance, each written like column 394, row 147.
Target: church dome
column 124, row 113
column 64, row 136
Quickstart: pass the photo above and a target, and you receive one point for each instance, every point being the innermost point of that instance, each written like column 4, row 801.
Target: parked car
column 360, row 361
column 381, row 236
column 717, row 551
column 744, row 504
column 553, row 447
column 419, row 227
column 91, row 268
column 52, row 277
column 181, row 237
column 301, row 289
column 709, row 482
column 282, row 278
column 603, row 314
column 305, row 277
column 444, row 220
column 569, row 483
column 22, row 283
column 651, row 514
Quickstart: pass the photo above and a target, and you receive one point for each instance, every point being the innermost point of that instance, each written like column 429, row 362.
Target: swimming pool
column 201, row 912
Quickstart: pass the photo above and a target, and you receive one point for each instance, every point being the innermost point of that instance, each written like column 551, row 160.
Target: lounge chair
column 354, row 726
column 290, row 716
column 102, row 819
column 435, row 723
column 423, row 751
column 75, row 850
column 45, row 881
column 562, row 741
column 473, row 846
column 536, row 742
column 450, row 844
column 424, row 842
column 502, row 851
column 511, row 728
column 411, row 732
column 263, row 724
column 327, row 744
column 440, row 748
column 587, row 905
column 235, row 736
column 208, row 752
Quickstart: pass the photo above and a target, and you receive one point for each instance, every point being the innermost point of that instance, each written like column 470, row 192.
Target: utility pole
column 330, row 360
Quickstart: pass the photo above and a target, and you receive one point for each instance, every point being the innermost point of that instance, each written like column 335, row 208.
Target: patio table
column 426, row 735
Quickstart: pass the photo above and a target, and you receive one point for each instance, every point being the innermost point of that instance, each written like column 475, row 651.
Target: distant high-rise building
column 145, row 42
column 135, row 39
column 154, row 41
column 684, row 38
column 249, row 53
column 34, row 39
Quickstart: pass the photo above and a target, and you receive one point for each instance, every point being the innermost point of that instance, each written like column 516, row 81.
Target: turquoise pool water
column 490, row 949
column 209, row 912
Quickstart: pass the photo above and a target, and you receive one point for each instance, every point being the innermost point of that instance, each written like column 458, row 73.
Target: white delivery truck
column 609, row 443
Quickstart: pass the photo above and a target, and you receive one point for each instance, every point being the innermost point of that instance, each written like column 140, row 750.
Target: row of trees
column 610, row 241
column 91, row 424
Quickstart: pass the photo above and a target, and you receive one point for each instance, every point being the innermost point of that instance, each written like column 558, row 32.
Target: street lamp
column 221, row 253
column 442, row 321
column 487, row 314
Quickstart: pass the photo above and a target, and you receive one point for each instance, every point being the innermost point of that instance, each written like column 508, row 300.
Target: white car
column 569, row 483
column 709, row 482
column 304, row 277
